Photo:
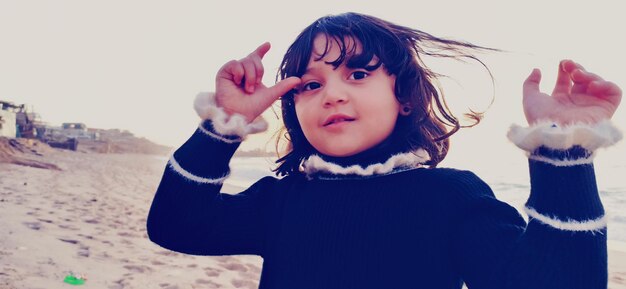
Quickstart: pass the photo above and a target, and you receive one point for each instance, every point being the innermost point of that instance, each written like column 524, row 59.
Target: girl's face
column 344, row 111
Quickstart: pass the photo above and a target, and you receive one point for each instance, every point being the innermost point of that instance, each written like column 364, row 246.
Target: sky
column 137, row 65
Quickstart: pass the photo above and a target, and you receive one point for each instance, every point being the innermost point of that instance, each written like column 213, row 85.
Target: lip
column 337, row 118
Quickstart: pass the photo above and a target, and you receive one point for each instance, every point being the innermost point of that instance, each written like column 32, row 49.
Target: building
column 8, row 125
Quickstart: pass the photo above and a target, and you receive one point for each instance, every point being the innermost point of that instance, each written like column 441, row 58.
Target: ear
column 405, row 109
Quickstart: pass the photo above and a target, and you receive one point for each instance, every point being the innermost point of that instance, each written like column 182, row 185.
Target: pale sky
column 137, row 65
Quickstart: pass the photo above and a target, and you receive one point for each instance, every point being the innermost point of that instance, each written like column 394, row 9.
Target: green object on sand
column 71, row 279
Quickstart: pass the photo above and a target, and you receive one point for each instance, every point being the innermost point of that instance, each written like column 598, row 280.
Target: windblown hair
column 399, row 50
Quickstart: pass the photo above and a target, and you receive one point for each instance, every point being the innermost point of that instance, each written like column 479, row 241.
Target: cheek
column 303, row 115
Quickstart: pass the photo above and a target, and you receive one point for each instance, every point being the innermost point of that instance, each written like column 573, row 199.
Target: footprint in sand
column 118, row 284
column 208, row 283
column 137, row 268
column 33, row 225
column 249, row 275
column 83, row 251
column 212, row 272
column 86, row 236
column 126, row 234
column 104, row 255
column 619, row 279
column 69, row 241
column 59, row 204
column 241, row 283
column 45, row 220
column 168, row 286
column 49, row 261
column 68, row 227
column 92, row 221
column 254, row 268
column 234, row 267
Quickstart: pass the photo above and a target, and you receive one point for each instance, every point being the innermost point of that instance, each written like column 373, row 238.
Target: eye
column 359, row 74
column 310, row 86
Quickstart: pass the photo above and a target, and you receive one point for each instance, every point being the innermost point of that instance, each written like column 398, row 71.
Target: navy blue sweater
column 410, row 228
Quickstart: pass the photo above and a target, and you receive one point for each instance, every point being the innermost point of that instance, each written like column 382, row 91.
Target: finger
column 582, row 79
column 259, row 69
column 570, row 65
column 531, row 84
column 563, row 81
column 250, row 75
column 261, row 50
column 579, row 75
column 282, row 87
column 606, row 90
column 232, row 71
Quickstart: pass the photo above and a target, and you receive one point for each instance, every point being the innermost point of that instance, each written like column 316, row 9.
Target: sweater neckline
column 315, row 167
column 382, row 159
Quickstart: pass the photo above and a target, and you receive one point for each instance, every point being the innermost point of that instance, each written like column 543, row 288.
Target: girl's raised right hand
column 239, row 88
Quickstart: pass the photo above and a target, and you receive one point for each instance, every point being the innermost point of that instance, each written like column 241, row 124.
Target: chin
column 341, row 152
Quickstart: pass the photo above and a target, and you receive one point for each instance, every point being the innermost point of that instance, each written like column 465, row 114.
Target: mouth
column 335, row 119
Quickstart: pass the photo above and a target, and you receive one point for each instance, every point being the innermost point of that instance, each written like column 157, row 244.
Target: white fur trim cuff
column 224, row 123
column 588, row 136
column 217, row 136
column 569, row 225
column 563, row 162
column 315, row 163
column 184, row 173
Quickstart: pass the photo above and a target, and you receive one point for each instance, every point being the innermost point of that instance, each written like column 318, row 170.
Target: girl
column 362, row 203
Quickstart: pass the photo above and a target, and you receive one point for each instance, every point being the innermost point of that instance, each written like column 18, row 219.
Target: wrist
column 226, row 122
column 564, row 145
column 552, row 135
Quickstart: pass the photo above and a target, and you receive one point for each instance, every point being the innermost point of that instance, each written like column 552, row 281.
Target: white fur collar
column 315, row 164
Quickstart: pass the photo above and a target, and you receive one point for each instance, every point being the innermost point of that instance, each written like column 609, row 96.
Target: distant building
column 7, row 119
column 68, row 135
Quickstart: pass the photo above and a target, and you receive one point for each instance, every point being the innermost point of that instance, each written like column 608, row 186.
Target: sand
column 88, row 218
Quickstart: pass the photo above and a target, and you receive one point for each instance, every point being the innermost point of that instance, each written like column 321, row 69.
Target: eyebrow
column 313, row 69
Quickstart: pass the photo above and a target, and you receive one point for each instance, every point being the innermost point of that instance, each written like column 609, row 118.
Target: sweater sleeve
column 190, row 215
column 564, row 243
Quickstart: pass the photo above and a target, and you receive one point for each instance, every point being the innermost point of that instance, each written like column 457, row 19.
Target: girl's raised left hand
column 578, row 97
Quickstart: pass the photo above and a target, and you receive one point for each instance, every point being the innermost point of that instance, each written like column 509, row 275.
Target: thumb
column 531, row 85
column 283, row 86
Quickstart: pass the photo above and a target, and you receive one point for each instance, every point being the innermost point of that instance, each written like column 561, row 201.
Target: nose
column 333, row 95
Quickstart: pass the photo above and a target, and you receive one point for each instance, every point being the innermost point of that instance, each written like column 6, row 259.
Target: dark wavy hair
column 399, row 50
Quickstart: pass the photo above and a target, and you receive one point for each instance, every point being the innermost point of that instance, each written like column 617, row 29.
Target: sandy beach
column 88, row 218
